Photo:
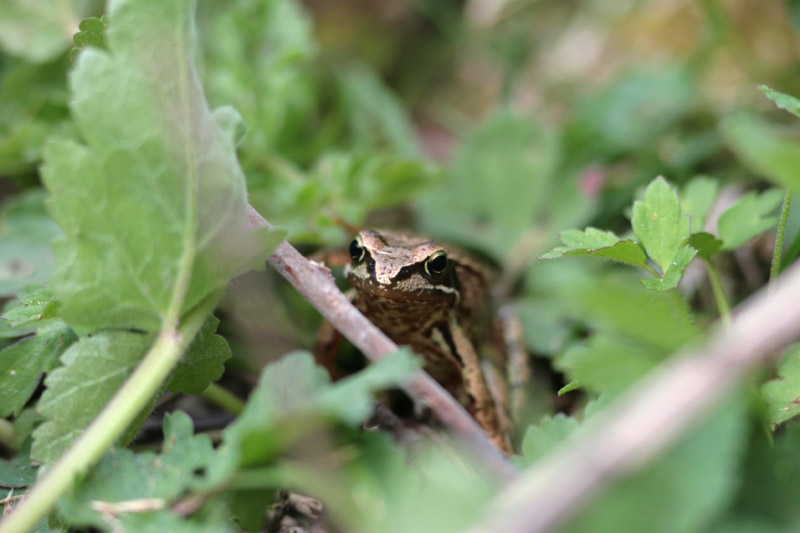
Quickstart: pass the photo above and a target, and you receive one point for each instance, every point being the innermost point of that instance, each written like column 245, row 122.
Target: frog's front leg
column 483, row 403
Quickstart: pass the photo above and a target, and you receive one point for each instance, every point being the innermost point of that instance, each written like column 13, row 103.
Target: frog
column 437, row 300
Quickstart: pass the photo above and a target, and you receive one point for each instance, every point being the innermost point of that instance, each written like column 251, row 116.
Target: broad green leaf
column 764, row 149
column 23, row 363
column 697, row 197
column 92, row 33
column 93, row 369
column 657, row 223
column 203, row 362
column 26, row 255
column 674, row 272
column 783, row 101
column 38, row 30
column 595, row 242
column 294, row 396
column 685, row 489
column 705, row 244
column 751, row 215
column 608, row 364
column 783, row 393
column 501, row 183
column 623, row 309
column 152, row 199
column 770, row 477
column 124, row 475
column 544, row 436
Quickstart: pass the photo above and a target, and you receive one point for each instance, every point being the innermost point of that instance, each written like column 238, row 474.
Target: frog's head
column 400, row 265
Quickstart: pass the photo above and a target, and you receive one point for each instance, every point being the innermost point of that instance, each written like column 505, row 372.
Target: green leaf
column 92, row 33
column 783, row 101
column 705, row 244
column 203, row 362
column 35, row 305
column 674, row 272
column 685, row 489
column 26, row 230
column 599, row 243
column 748, row 217
column 783, row 393
column 501, row 182
column 93, row 369
column 697, row 197
column 18, row 472
column 152, row 200
column 23, row 363
column 543, row 437
column 608, row 364
column 764, row 149
column 657, row 223
column 294, row 396
column 124, row 475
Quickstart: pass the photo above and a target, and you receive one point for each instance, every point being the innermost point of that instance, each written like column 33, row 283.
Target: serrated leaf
column 657, row 223
column 748, row 217
column 783, row 101
column 764, row 149
column 92, row 32
column 93, row 369
column 23, row 363
column 595, row 242
column 705, row 244
column 123, row 475
column 203, row 362
column 697, row 197
column 152, row 199
column 294, row 396
column 544, row 436
column 783, row 393
column 674, row 272
column 26, row 230
column 35, row 304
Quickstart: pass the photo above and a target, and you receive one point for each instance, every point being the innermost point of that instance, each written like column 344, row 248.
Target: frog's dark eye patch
column 357, row 250
column 436, row 264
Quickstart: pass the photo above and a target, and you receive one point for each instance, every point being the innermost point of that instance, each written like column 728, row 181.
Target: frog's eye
column 436, row 263
column 356, row 250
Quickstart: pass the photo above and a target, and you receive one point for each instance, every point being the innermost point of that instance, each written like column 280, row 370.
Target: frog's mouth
column 404, row 290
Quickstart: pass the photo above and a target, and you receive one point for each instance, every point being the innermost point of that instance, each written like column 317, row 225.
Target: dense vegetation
column 644, row 135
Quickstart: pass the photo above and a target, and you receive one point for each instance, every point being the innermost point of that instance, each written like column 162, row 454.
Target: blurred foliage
column 502, row 126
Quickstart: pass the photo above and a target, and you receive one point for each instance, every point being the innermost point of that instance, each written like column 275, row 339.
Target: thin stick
column 316, row 284
column 650, row 416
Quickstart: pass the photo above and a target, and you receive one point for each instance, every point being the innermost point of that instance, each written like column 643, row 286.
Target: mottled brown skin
column 437, row 306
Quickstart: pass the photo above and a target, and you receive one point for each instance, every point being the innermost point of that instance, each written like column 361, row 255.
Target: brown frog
column 436, row 300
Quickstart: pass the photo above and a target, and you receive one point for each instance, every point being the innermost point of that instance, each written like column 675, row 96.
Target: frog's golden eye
column 436, row 264
column 357, row 250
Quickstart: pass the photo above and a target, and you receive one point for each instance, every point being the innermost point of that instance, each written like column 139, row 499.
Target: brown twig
column 650, row 416
column 316, row 284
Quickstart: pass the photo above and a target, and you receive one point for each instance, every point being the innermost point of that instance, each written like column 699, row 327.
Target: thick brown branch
column 650, row 416
column 316, row 284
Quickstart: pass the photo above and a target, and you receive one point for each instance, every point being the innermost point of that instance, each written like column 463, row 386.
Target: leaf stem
column 112, row 421
column 775, row 268
column 224, row 398
column 719, row 293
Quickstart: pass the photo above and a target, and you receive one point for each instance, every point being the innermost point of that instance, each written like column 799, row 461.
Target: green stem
column 112, row 421
column 775, row 269
column 223, row 398
column 719, row 293
column 681, row 305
